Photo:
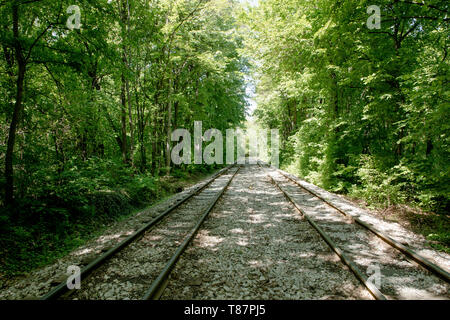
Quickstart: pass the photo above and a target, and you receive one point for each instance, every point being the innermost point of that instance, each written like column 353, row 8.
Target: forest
column 91, row 91
column 361, row 111
column 86, row 114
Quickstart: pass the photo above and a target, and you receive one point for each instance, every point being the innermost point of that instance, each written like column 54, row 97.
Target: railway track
column 403, row 273
column 256, row 246
column 155, row 240
column 140, row 266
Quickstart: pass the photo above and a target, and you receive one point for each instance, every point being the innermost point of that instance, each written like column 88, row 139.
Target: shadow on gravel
column 256, row 246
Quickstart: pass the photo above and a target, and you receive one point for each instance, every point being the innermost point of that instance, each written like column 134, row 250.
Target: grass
column 435, row 227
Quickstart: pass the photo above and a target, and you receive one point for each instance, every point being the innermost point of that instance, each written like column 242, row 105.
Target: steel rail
column 160, row 283
column 374, row 291
column 62, row 288
column 424, row 262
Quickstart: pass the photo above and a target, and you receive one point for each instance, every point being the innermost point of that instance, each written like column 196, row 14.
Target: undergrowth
column 61, row 212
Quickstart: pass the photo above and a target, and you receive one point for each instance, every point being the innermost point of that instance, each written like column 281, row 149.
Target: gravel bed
column 40, row 281
column 255, row 245
column 400, row 278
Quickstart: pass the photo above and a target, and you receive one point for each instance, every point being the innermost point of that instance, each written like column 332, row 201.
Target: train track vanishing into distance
column 152, row 252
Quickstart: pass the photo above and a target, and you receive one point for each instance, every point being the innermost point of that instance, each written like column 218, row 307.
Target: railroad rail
column 201, row 201
column 424, row 262
column 158, row 286
column 62, row 288
column 409, row 253
column 374, row 291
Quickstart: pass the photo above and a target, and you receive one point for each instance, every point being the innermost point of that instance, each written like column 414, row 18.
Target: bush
column 377, row 186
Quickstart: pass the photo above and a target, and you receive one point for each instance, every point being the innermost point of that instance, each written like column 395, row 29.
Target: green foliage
column 62, row 211
column 99, row 105
column 435, row 227
column 360, row 111
column 377, row 186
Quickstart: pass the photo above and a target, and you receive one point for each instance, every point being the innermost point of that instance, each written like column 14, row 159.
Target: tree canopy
column 120, row 84
column 360, row 110
column 90, row 92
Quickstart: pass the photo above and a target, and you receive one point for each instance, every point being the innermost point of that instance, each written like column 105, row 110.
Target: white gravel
column 131, row 272
column 255, row 245
column 394, row 230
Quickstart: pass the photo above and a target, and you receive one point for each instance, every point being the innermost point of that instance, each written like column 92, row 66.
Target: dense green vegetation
column 361, row 111
column 86, row 114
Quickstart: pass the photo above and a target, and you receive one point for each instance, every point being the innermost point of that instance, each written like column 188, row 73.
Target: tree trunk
column 169, row 126
column 124, row 94
column 9, row 170
column 123, row 119
column 127, row 58
column 130, row 120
